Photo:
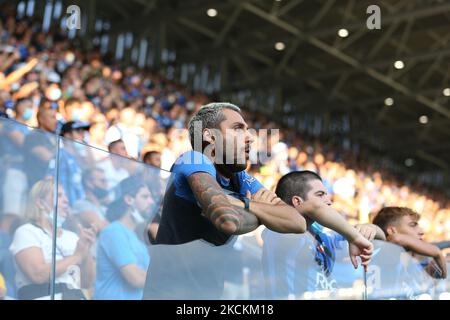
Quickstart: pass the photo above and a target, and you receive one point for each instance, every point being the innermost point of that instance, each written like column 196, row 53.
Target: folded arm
column 228, row 213
column 421, row 247
column 226, row 217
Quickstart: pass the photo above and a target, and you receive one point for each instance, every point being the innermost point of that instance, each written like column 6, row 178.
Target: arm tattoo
column 217, row 208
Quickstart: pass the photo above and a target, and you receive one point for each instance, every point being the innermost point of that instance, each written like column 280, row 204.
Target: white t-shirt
column 129, row 137
column 113, row 175
column 29, row 235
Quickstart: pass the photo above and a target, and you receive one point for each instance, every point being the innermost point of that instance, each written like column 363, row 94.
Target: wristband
column 247, row 203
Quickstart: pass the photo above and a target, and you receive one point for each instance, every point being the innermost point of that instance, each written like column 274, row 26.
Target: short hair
column 39, row 191
column 127, row 187
column 112, row 144
column 22, row 100
column 70, row 102
column 390, row 215
column 295, row 183
column 46, row 104
column 88, row 174
column 149, row 154
column 210, row 116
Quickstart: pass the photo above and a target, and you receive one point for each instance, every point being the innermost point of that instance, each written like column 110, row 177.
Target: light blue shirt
column 117, row 247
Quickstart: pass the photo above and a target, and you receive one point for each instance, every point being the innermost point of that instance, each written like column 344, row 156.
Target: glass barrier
column 442, row 287
column 114, row 212
column 395, row 274
column 109, row 209
column 27, row 202
column 305, row 267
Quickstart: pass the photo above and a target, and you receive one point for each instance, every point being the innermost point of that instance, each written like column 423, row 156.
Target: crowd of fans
column 48, row 83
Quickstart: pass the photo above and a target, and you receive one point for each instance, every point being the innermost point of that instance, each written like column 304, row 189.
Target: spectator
column 152, row 158
column 72, row 110
column 401, row 226
column 69, row 168
column 15, row 181
column 32, row 248
column 281, row 251
column 153, row 181
column 122, row 259
column 40, row 146
column 92, row 209
column 114, row 166
column 97, row 134
column 125, row 130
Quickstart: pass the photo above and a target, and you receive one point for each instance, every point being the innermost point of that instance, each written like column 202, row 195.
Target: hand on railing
column 438, row 266
column 360, row 247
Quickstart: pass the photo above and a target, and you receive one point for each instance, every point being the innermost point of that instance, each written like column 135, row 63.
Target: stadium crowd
column 48, row 82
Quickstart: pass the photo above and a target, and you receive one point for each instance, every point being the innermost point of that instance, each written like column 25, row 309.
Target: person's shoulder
column 111, row 229
column 69, row 235
column 192, row 157
column 244, row 176
column 191, row 162
column 27, row 233
column 83, row 205
column 249, row 182
column 27, row 228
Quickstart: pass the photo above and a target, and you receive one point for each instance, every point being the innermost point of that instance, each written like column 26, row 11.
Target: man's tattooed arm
column 217, row 207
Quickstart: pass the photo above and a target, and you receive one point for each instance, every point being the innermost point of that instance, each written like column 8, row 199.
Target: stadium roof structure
column 398, row 110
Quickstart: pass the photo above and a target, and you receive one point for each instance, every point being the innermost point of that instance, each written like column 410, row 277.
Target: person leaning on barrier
column 198, row 204
column 295, row 188
column 401, row 226
column 32, row 248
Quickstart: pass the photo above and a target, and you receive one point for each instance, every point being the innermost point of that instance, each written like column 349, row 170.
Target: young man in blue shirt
column 294, row 264
column 122, row 258
column 212, row 199
column 401, row 226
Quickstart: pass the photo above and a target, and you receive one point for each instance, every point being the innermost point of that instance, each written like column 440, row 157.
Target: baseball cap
column 74, row 125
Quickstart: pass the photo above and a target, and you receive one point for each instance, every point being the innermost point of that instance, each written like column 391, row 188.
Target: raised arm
column 19, row 73
column 225, row 216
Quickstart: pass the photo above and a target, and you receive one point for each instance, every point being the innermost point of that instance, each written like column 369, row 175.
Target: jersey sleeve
column 192, row 162
column 337, row 240
column 249, row 183
column 186, row 165
column 24, row 238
